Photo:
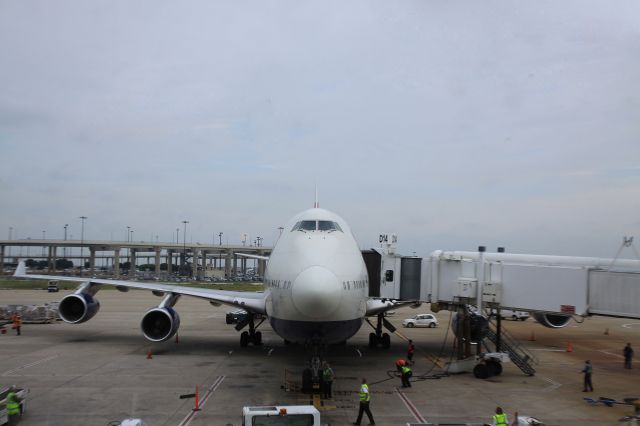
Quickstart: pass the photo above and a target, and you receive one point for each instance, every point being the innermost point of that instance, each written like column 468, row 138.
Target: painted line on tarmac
column 412, row 408
column 609, row 353
column 189, row 417
column 547, row 350
column 553, row 385
column 22, row 367
column 631, row 324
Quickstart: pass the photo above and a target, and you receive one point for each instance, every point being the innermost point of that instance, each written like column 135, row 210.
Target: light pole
column 43, row 237
column 220, row 236
column 244, row 239
column 83, row 218
column 64, row 250
column 177, row 235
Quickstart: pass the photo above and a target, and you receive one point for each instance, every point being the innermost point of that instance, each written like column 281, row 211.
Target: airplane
column 316, row 292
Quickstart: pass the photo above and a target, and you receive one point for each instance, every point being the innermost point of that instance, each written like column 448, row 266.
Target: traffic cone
column 569, row 347
column 149, row 356
column 197, row 407
column 606, row 332
column 532, row 338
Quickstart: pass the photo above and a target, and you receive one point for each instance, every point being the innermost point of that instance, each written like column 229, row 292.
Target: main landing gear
column 251, row 336
column 379, row 338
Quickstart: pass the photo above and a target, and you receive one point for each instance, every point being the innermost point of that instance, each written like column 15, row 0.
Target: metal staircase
column 518, row 354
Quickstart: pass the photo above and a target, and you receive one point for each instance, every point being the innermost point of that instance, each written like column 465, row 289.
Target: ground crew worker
column 17, row 323
column 410, row 351
column 365, row 399
column 399, row 363
column 500, row 418
column 13, row 406
column 327, row 380
column 628, row 354
column 406, row 373
column 587, row 370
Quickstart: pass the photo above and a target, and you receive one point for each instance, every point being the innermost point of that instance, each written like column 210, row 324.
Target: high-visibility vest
column 364, row 393
column 327, row 375
column 406, row 370
column 13, row 407
column 500, row 419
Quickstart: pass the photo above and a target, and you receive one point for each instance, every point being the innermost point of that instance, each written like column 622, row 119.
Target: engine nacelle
column 160, row 324
column 78, row 307
column 552, row 320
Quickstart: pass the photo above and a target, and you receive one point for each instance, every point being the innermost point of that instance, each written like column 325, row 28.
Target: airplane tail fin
column 21, row 270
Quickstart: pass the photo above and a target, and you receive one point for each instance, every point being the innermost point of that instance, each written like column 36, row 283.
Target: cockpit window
column 316, row 225
column 327, row 225
column 305, row 225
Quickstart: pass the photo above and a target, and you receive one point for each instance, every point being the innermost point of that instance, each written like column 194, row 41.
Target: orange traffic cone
column 532, row 338
column 197, row 407
column 569, row 347
column 149, row 356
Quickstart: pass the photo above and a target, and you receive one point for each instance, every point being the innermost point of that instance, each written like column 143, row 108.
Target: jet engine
column 552, row 320
column 78, row 307
column 160, row 324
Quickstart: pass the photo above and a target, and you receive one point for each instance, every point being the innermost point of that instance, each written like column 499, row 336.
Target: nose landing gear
column 251, row 336
column 379, row 338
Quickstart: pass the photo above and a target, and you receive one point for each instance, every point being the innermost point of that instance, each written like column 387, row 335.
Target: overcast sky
column 451, row 123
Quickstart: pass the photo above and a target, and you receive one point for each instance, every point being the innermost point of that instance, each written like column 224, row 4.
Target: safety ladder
column 518, row 354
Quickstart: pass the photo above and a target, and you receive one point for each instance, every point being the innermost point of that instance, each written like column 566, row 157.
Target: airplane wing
column 376, row 305
column 251, row 302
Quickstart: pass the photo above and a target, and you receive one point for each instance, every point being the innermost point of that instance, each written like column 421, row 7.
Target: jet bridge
column 559, row 285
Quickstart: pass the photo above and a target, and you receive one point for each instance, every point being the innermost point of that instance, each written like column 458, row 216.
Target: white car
column 514, row 315
column 421, row 320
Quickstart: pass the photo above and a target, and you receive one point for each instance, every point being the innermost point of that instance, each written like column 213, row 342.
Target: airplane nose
column 316, row 292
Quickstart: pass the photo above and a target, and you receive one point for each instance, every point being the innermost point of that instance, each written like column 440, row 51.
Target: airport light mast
column 64, row 250
column 184, row 244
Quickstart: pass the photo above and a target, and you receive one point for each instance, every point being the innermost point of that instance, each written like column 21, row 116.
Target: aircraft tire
column 373, row 340
column 244, row 339
column 386, row 341
column 257, row 338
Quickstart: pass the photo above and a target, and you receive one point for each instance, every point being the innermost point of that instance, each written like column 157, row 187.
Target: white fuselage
column 316, row 282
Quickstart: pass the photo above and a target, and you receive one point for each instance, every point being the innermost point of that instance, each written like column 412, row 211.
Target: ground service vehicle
column 52, row 287
column 514, row 315
column 281, row 415
column 421, row 320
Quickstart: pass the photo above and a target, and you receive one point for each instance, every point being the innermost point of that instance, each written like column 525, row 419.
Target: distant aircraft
column 316, row 291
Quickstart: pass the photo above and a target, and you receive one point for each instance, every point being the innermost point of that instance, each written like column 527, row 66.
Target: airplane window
column 326, row 225
column 305, row 225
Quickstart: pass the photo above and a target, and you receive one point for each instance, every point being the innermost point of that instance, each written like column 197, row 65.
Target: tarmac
column 99, row 371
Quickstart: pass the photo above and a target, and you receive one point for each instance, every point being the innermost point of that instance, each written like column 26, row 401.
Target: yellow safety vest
column 500, row 419
column 13, row 407
column 364, row 393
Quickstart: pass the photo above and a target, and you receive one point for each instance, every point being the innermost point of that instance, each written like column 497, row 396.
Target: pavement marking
column 609, row 353
column 553, row 385
column 631, row 324
column 547, row 350
column 189, row 417
column 412, row 408
column 22, row 367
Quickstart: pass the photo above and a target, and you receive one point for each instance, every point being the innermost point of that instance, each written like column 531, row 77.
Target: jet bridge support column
column 169, row 261
column 116, row 262
column 1, row 260
column 227, row 264
column 92, row 259
column 132, row 262
column 158, row 252
column 52, row 258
